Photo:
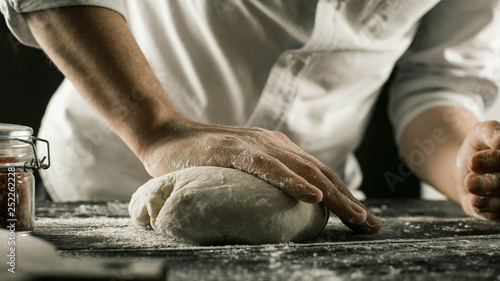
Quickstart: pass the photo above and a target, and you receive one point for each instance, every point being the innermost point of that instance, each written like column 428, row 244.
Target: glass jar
column 18, row 161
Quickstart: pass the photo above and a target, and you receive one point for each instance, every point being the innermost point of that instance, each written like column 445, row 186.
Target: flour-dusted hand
column 96, row 51
column 478, row 164
column 268, row 155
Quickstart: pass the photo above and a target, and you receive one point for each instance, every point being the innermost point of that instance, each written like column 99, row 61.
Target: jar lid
column 15, row 131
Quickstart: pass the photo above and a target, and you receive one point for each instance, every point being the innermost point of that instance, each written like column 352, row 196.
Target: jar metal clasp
column 36, row 164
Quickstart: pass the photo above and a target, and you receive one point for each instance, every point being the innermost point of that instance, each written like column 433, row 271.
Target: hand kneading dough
column 213, row 205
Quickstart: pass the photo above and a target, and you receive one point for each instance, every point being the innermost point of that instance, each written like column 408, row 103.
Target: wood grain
column 419, row 240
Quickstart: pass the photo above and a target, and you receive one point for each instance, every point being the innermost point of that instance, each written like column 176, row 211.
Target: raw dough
column 214, row 205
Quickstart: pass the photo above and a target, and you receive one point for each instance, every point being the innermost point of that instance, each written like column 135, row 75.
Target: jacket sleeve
column 13, row 9
column 453, row 60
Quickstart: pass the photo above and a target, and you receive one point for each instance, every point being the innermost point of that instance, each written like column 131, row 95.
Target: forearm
column 431, row 143
column 96, row 51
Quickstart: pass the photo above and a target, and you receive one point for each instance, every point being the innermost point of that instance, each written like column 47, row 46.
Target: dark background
column 28, row 79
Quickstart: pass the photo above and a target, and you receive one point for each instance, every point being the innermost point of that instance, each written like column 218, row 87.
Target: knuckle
column 475, row 201
column 496, row 141
column 260, row 130
column 275, row 134
column 255, row 135
column 309, row 168
column 326, row 170
column 492, row 124
column 227, row 142
column 283, row 136
column 279, row 134
column 257, row 132
column 264, row 160
column 479, row 202
column 492, row 180
column 486, row 125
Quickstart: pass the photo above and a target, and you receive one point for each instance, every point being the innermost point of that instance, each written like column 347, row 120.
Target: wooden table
column 419, row 240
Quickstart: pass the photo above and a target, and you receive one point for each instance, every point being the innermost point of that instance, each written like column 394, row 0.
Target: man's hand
column 96, row 51
column 268, row 155
column 464, row 163
column 478, row 164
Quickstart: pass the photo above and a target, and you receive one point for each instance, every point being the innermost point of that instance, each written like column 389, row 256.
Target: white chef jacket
column 312, row 70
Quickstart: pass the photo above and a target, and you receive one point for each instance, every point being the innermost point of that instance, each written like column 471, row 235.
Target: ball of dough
column 214, row 205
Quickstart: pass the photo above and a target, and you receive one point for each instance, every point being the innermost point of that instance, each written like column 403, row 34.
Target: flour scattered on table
column 102, row 233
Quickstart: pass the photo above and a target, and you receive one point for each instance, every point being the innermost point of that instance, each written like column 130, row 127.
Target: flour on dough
column 214, row 205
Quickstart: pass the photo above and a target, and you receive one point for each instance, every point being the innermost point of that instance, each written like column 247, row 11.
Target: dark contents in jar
column 16, row 198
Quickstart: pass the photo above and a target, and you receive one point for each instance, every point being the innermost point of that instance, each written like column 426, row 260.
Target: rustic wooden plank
column 106, row 225
column 122, row 233
column 419, row 240
column 469, row 259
